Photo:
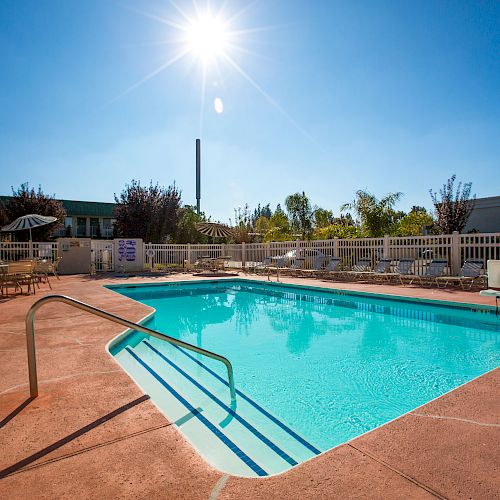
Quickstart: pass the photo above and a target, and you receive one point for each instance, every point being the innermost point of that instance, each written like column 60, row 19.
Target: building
column 485, row 216
column 85, row 219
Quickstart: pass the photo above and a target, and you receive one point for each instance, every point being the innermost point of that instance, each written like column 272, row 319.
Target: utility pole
column 198, row 175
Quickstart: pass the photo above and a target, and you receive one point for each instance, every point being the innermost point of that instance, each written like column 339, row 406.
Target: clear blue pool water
column 330, row 366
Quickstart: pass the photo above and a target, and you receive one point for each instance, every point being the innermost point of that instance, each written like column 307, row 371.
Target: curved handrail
column 30, row 338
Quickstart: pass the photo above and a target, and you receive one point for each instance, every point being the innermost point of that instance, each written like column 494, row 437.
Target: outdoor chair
column 296, row 267
column 317, row 266
column 278, row 263
column 332, row 268
column 20, row 273
column 263, row 266
column 379, row 271
column 42, row 270
column 403, row 268
column 470, row 273
column 434, row 269
column 363, row 265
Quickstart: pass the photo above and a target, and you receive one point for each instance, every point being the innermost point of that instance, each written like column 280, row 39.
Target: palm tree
column 377, row 217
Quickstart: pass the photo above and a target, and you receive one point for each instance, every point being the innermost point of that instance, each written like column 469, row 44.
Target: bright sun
column 207, row 38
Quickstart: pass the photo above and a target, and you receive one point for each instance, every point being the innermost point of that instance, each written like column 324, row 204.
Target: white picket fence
column 15, row 251
column 456, row 248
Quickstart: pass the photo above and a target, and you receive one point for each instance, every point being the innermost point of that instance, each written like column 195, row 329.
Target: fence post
column 243, row 255
column 336, row 246
column 386, row 246
column 188, row 255
column 456, row 258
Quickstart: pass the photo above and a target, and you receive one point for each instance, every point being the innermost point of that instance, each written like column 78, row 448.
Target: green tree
column 150, row 213
column 262, row 226
column 453, row 208
column 26, row 200
column 337, row 230
column 377, row 217
column 322, row 217
column 415, row 222
column 279, row 226
column 186, row 231
column 264, row 211
column 300, row 212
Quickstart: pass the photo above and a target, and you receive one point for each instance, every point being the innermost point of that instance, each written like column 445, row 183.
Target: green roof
column 82, row 208
column 89, row 208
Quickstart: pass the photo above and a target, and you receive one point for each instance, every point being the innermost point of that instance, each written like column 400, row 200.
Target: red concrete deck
column 92, row 434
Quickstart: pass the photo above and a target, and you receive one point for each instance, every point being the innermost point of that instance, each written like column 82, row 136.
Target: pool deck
column 92, row 433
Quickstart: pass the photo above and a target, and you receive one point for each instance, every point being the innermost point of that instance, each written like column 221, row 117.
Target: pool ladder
column 30, row 338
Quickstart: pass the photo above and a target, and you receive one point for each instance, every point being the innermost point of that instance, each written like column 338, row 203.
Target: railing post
column 243, row 255
column 189, row 254
column 456, row 257
column 336, row 247
column 386, row 251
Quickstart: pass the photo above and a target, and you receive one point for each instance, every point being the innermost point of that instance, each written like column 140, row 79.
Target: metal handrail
column 30, row 338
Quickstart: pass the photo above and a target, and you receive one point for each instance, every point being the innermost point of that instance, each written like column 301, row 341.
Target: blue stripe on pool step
column 233, row 447
column 280, row 424
column 226, row 408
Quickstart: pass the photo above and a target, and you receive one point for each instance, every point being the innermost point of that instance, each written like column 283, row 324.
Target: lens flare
column 218, row 105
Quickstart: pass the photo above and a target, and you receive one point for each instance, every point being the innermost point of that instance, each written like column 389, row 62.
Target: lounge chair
column 259, row 266
column 277, row 264
column 403, row 268
column 434, row 269
column 332, row 268
column 470, row 272
column 317, row 266
column 297, row 265
column 361, row 266
column 380, row 270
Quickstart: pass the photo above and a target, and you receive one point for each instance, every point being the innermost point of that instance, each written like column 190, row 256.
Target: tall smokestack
column 198, row 174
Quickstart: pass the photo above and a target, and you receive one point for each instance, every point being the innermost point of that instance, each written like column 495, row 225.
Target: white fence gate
column 102, row 255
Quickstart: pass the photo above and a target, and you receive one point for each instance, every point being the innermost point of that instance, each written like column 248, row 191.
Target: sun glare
column 213, row 39
column 207, row 38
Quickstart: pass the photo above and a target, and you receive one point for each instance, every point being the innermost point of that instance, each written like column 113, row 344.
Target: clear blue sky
column 384, row 96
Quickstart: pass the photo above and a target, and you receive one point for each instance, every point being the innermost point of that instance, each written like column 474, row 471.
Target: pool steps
column 246, row 440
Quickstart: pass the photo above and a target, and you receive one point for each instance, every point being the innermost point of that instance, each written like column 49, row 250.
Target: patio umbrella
column 28, row 222
column 214, row 229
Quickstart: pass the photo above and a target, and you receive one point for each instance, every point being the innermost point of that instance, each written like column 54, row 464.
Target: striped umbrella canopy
column 28, row 222
column 214, row 229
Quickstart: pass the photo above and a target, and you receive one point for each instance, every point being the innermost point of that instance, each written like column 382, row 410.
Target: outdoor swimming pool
column 313, row 367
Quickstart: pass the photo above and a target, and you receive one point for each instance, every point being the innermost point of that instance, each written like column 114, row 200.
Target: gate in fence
column 102, row 255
